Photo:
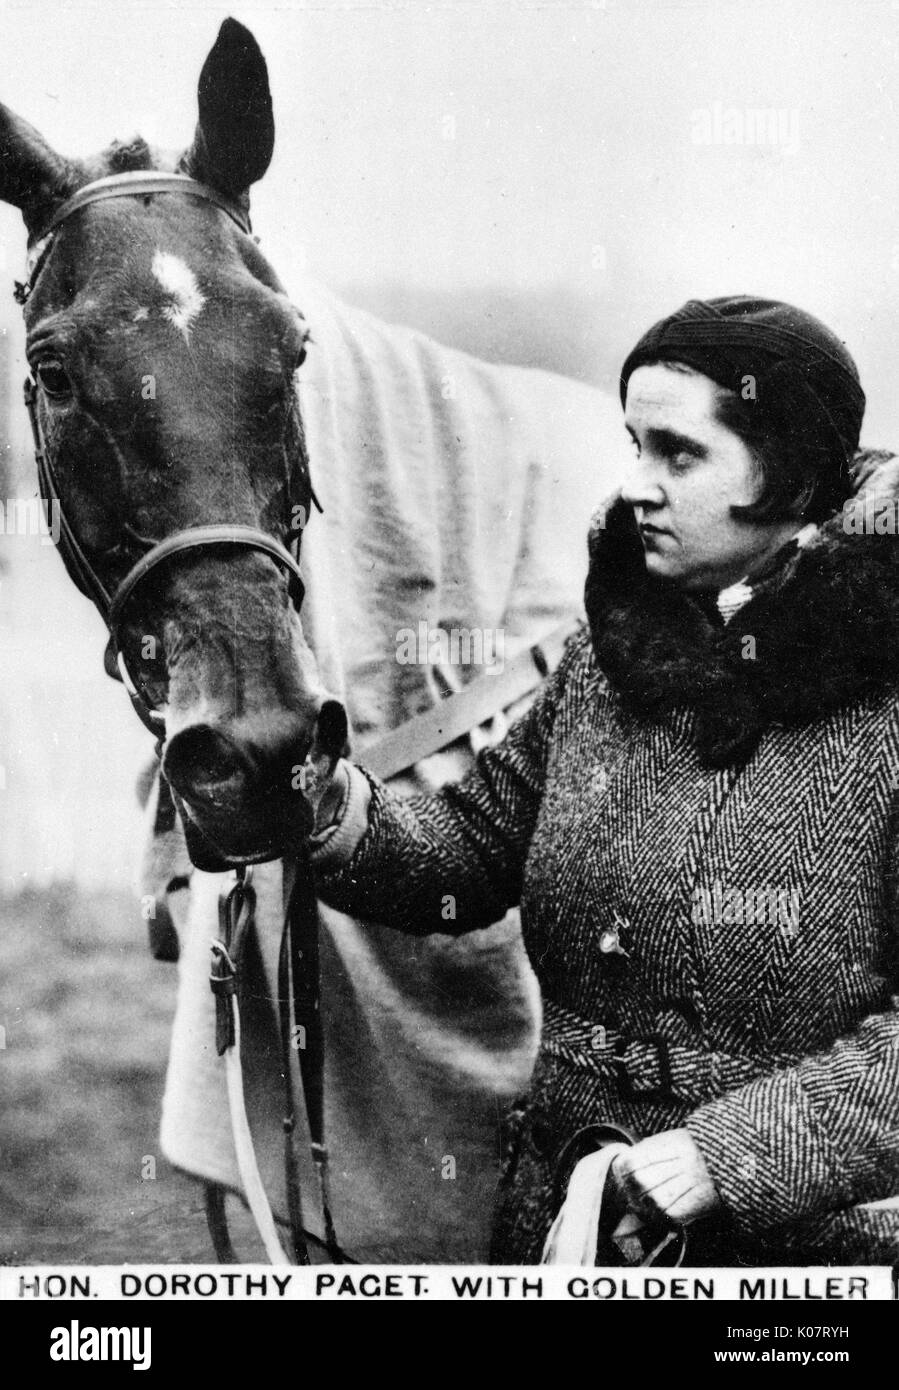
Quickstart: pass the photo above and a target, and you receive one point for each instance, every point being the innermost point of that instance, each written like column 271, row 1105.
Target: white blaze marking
column 180, row 283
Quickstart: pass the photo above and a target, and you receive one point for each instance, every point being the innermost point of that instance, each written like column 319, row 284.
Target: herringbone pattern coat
column 731, row 823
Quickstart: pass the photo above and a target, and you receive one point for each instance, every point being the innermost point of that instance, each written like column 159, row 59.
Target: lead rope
column 299, row 987
column 302, row 954
column 288, row 1040
column 236, row 915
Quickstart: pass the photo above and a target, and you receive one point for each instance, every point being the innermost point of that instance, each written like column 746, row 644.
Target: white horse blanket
column 456, row 494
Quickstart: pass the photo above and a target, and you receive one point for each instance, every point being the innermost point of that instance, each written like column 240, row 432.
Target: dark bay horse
column 177, row 403
column 164, row 351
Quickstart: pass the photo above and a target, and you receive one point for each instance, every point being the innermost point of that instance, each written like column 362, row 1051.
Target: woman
column 699, row 818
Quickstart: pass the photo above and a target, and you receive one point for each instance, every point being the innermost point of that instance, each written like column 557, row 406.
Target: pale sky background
column 571, row 208
column 574, row 131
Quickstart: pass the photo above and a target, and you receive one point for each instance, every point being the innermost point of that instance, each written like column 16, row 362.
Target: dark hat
column 798, row 376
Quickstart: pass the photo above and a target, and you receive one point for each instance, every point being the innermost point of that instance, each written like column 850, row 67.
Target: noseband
column 112, row 605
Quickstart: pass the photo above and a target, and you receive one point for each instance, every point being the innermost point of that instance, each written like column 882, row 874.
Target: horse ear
column 33, row 177
column 236, row 131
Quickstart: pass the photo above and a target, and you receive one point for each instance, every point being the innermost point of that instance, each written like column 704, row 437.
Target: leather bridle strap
column 237, row 910
column 192, row 538
column 300, row 1026
column 200, row 538
column 77, row 562
column 300, row 949
column 112, row 606
column 302, row 953
column 141, row 183
column 181, row 543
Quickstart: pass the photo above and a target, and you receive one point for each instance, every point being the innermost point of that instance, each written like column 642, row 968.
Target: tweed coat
column 700, row 823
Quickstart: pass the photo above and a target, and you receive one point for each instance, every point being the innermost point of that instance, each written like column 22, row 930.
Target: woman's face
column 689, row 471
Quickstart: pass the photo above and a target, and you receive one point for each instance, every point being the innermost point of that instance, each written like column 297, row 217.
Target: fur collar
column 824, row 619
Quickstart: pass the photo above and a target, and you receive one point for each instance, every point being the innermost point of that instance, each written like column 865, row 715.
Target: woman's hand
column 327, row 791
column 322, row 779
column 666, row 1175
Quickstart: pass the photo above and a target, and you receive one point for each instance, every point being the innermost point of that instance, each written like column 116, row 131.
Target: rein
column 298, row 974
column 301, row 1032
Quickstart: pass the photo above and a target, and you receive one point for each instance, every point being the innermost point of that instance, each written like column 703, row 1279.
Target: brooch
column 610, row 937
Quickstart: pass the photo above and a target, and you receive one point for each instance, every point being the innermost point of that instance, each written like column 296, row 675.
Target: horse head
column 164, row 351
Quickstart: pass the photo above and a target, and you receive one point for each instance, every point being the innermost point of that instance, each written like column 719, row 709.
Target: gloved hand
column 666, row 1175
column 322, row 778
column 329, row 797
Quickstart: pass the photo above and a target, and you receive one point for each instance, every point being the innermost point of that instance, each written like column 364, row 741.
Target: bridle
column 298, row 970
column 112, row 605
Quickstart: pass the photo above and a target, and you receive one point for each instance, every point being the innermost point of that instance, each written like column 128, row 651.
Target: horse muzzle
column 240, row 790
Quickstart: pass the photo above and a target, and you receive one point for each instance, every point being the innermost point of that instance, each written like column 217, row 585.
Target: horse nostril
column 202, row 764
column 331, row 729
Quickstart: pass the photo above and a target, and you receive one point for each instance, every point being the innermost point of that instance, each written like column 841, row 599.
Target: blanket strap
column 463, row 711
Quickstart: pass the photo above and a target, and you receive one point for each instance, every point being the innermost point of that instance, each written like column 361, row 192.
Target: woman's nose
column 641, row 488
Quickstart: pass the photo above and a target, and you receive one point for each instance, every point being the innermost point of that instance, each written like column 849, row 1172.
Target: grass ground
column 87, row 1014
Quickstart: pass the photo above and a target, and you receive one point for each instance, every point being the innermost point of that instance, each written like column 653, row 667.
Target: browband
column 135, row 184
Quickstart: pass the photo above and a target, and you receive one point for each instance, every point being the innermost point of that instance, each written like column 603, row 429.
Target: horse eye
column 305, row 340
column 54, row 379
column 298, row 353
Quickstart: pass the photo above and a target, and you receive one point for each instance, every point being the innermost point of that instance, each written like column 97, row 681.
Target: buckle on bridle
column 237, row 910
column 626, row 1087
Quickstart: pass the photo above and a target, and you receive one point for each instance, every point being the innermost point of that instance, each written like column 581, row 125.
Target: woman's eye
column 681, row 463
column 54, row 379
column 305, row 340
